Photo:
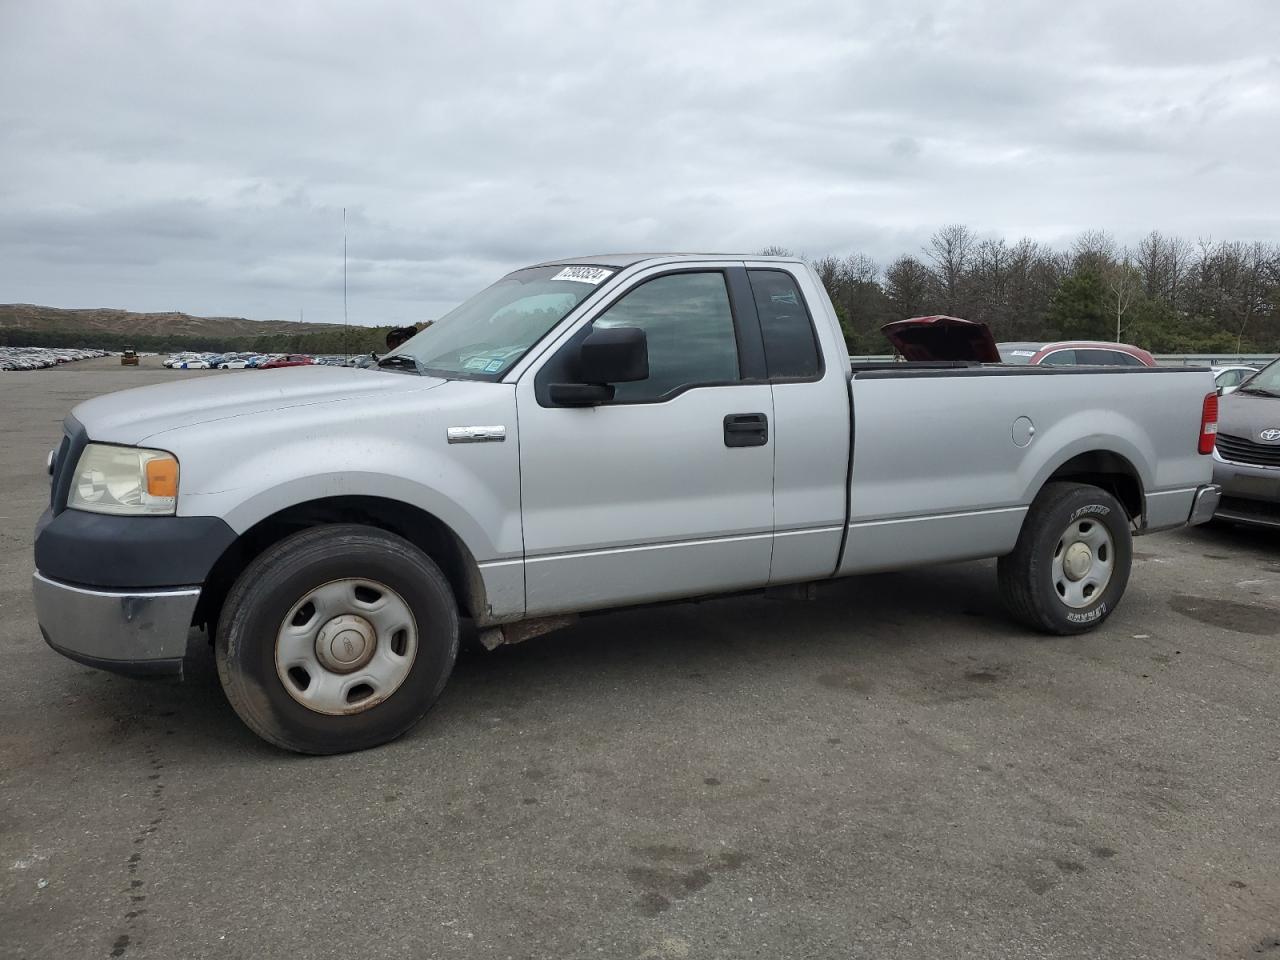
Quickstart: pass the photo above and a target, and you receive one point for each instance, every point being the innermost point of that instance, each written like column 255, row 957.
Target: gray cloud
column 198, row 156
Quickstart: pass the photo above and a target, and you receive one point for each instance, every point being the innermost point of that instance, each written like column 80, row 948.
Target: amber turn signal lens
column 162, row 477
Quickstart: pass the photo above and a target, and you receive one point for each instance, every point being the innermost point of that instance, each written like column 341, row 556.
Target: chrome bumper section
column 1205, row 503
column 126, row 631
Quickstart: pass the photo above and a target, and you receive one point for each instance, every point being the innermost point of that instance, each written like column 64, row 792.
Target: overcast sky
column 197, row 156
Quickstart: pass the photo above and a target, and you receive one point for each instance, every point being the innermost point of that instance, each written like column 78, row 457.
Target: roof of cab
column 630, row 259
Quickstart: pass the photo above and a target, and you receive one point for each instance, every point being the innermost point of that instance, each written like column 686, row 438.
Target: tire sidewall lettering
column 1088, row 616
column 1095, row 509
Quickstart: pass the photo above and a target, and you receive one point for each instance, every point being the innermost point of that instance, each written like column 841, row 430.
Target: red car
column 943, row 339
column 1069, row 352
column 292, row 360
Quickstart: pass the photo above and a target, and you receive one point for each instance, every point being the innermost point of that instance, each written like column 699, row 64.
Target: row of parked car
column 38, row 358
column 247, row 361
column 1096, row 353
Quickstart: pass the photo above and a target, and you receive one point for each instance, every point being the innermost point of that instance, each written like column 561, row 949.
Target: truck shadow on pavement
column 733, row 641
column 1229, row 541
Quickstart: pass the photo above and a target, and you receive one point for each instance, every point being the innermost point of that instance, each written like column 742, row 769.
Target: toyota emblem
column 1270, row 436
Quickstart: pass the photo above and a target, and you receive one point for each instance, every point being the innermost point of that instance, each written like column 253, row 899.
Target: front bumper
column 1250, row 494
column 136, row 632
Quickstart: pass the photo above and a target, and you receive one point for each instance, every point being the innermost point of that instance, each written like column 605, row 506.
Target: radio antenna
column 346, row 336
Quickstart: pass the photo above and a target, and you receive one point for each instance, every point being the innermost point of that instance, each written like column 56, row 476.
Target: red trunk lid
column 942, row 338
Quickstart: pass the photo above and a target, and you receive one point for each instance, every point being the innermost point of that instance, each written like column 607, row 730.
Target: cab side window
column 790, row 347
column 1060, row 358
column 689, row 325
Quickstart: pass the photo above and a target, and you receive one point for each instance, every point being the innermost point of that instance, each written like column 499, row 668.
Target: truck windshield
column 485, row 336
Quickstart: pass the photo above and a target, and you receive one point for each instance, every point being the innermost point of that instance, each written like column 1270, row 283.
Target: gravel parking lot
column 890, row 770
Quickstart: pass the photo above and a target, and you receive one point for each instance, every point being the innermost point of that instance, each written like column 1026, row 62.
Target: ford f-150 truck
column 583, row 435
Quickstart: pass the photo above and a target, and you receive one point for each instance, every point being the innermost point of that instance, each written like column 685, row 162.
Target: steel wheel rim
column 1084, row 560
column 346, row 646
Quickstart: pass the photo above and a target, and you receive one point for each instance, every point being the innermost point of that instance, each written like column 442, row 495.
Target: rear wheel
column 1070, row 566
column 337, row 638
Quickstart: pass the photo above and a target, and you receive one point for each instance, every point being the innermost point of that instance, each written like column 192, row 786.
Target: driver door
column 667, row 490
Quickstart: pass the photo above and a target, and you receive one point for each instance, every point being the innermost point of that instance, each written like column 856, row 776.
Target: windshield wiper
column 1260, row 391
column 400, row 361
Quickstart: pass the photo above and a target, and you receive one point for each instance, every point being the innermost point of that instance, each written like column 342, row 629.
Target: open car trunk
column 942, row 338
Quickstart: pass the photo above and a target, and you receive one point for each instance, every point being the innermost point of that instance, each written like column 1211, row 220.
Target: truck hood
column 130, row 416
column 941, row 338
column 1247, row 415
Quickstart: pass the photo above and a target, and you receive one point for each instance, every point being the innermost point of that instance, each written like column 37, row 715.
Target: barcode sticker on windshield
column 592, row 275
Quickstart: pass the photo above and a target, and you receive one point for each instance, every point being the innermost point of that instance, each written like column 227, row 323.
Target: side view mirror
column 607, row 356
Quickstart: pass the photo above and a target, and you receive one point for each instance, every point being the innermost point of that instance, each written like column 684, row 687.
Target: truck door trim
column 655, row 545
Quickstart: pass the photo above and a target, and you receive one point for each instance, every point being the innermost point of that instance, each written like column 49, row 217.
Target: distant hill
column 102, row 320
column 26, row 324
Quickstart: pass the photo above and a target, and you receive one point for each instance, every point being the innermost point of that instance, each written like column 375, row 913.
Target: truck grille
column 1244, row 450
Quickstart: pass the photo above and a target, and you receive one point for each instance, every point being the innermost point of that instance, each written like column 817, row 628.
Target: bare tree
column 859, row 270
column 1152, row 264
column 1094, row 250
column 775, row 251
column 1162, row 263
column 907, row 283
column 1123, row 281
column 1178, row 256
column 989, row 283
column 829, row 270
column 950, row 251
column 1240, row 272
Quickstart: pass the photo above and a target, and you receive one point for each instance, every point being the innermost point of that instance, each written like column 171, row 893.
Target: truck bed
column 938, row 472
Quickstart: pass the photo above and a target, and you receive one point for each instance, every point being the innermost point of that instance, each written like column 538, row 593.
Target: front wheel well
column 1111, row 472
column 422, row 529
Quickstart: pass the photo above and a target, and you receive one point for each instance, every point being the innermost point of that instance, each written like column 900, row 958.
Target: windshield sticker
column 1022, row 353
column 485, row 363
column 591, row 275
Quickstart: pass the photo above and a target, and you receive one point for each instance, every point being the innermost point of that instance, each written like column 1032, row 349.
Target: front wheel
column 1070, row 566
column 337, row 638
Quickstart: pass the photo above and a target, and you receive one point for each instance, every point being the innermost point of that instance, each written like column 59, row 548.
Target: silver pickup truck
column 581, row 435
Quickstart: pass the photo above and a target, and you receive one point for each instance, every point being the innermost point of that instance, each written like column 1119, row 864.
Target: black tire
column 1027, row 574
column 275, row 581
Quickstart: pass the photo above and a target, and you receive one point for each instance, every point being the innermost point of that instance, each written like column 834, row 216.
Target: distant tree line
column 1165, row 294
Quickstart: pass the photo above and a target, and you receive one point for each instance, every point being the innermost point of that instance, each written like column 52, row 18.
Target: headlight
column 125, row 480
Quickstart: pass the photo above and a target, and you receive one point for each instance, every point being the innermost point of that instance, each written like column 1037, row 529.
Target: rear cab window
column 790, row 341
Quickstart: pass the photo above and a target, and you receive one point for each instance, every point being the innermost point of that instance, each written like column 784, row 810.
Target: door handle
column 746, row 430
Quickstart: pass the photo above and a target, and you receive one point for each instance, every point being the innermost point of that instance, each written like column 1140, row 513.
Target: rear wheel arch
column 1108, row 470
column 424, row 530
